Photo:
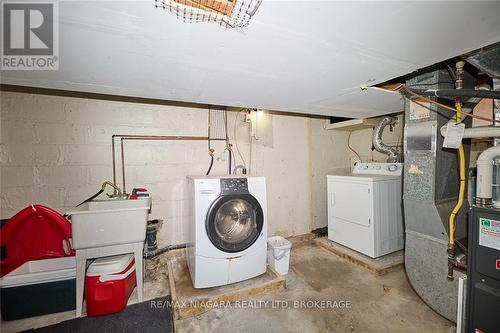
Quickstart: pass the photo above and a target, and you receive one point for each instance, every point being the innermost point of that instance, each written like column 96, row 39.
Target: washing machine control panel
column 234, row 186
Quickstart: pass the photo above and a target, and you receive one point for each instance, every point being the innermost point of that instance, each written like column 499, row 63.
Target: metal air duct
column 379, row 146
column 431, row 184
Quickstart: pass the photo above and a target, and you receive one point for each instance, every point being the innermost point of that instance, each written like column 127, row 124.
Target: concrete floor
column 378, row 303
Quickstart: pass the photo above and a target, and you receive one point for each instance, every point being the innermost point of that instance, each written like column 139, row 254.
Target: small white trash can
column 278, row 254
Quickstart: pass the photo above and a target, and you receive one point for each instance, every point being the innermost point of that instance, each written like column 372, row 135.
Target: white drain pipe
column 475, row 132
column 485, row 175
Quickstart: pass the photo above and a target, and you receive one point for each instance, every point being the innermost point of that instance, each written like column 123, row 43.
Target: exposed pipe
column 230, row 151
column 152, row 254
column 152, row 228
column 114, row 163
column 377, row 139
column 408, row 93
column 122, row 150
column 150, row 138
column 145, row 137
column 483, row 131
column 461, row 192
column 116, row 193
column 152, row 242
column 460, row 201
column 459, row 93
column 157, row 138
column 485, row 175
column 476, row 132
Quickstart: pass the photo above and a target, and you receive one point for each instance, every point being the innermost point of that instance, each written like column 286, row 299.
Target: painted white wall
column 324, row 158
column 56, row 151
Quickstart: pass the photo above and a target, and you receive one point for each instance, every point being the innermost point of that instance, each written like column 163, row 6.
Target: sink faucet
column 117, row 193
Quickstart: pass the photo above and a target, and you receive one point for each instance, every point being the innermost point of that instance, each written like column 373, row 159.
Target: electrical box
column 483, row 273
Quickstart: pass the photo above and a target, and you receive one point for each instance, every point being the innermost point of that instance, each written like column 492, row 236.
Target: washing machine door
column 234, row 222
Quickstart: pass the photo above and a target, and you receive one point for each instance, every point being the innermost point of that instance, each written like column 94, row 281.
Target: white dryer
column 365, row 208
column 227, row 230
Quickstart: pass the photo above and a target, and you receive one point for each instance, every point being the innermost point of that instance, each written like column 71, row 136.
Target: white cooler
column 39, row 287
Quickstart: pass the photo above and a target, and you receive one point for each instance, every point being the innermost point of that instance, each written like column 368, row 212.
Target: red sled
column 36, row 232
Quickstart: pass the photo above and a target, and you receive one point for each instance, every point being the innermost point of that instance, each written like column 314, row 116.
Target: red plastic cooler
column 109, row 283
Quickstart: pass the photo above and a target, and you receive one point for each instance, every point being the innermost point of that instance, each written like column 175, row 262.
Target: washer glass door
column 234, row 222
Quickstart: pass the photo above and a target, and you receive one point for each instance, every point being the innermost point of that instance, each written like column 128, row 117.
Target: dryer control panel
column 234, row 186
column 374, row 168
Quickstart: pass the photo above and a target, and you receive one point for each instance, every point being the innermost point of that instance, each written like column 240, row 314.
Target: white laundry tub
column 109, row 222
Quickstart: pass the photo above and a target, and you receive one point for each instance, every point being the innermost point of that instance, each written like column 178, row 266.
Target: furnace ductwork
column 430, row 195
column 393, row 156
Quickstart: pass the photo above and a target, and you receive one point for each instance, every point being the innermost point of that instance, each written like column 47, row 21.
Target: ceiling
column 297, row 56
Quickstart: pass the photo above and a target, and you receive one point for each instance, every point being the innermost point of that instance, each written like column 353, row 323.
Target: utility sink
column 102, row 223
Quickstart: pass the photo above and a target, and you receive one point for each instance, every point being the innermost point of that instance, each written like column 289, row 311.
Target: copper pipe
column 168, row 138
column 114, row 166
column 146, row 138
column 123, row 166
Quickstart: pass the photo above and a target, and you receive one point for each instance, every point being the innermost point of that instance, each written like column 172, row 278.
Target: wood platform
column 188, row 302
column 380, row 266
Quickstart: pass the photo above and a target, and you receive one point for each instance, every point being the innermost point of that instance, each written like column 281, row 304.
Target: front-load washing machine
column 227, row 230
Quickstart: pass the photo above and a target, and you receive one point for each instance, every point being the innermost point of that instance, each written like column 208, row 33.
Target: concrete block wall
column 56, row 151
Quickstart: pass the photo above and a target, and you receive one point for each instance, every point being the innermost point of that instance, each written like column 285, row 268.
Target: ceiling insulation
column 306, row 57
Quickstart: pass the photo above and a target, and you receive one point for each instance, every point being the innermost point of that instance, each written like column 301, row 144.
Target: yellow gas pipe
column 460, row 201
column 461, row 193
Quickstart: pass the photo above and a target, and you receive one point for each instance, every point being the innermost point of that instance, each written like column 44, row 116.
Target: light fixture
column 228, row 13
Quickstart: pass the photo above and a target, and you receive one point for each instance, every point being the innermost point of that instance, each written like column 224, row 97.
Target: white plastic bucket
column 278, row 254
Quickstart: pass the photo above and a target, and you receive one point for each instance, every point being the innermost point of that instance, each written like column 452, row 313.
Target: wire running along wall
column 228, row 13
